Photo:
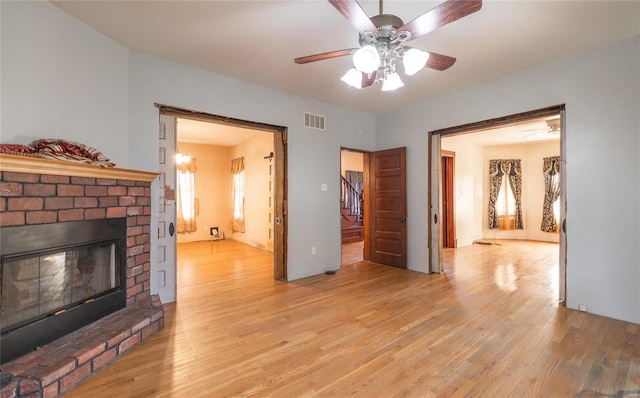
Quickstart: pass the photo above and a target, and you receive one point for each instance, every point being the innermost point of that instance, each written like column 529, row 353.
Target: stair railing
column 351, row 198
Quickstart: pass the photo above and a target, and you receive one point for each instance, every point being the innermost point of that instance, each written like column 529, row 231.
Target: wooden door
column 388, row 212
column 448, row 217
column 435, row 205
column 166, row 243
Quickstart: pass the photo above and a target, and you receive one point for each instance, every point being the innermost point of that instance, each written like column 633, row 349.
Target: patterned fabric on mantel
column 551, row 171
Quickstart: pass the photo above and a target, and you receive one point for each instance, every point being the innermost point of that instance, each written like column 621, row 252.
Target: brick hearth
column 40, row 191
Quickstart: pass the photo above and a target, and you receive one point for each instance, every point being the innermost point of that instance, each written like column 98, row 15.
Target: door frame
column 280, row 270
column 365, row 189
column 434, row 140
column 448, row 191
column 367, row 203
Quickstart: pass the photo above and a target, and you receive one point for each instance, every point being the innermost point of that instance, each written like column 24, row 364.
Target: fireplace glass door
column 34, row 286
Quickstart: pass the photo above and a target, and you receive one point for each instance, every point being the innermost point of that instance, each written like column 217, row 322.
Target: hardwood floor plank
column 489, row 326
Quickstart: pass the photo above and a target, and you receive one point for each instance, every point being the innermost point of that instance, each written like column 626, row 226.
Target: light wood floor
column 487, row 327
column 352, row 252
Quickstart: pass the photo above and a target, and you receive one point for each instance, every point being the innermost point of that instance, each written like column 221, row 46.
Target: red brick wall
column 27, row 198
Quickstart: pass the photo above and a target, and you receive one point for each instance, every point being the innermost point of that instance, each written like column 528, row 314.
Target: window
column 505, row 194
column 506, row 206
column 186, row 198
column 237, row 195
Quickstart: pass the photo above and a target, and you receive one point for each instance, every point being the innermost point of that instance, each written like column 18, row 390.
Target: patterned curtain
column 498, row 168
column 237, row 195
column 186, row 200
column 495, row 180
column 515, row 180
column 551, row 171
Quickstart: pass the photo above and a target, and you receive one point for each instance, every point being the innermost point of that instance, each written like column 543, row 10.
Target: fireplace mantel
column 26, row 164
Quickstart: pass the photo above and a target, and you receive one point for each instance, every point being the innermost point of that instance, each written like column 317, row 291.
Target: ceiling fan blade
column 368, row 79
column 356, row 15
column 323, row 56
column 444, row 14
column 439, row 62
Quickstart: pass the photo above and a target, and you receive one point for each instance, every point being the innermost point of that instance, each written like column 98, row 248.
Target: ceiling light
column 414, row 60
column 353, row 78
column 392, row 82
column 366, row 59
column 181, row 159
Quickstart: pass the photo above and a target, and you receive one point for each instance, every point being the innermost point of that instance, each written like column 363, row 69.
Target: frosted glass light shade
column 366, row 59
column 353, row 78
column 392, row 82
column 414, row 60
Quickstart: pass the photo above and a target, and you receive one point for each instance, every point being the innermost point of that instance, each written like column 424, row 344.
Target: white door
column 562, row 261
column 435, row 207
column 166, row 247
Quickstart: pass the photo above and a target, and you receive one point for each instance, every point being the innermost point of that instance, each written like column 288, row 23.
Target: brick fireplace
column 36, row 191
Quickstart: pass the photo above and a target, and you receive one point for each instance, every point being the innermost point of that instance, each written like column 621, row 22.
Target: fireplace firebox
column 56, row 278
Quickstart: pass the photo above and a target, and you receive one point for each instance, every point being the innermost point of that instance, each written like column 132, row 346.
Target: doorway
column 352, row 220
column 271, row 164
column 529, row 137
column 384, row 204
column 448, row 199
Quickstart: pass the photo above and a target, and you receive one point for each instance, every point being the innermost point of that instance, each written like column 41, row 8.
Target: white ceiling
column 198, row 132
column 530, row 132
column 256, row 41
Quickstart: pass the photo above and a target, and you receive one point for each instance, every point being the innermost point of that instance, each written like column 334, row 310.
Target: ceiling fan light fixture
column 366, row 59
column 392, row 82
column 414, row 60
column 353, row 78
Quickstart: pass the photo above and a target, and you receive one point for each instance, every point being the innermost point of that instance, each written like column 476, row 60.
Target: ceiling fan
column 383, row 38
column 553, row 128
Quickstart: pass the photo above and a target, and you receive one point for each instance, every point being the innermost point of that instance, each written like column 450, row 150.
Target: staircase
column 352, row 220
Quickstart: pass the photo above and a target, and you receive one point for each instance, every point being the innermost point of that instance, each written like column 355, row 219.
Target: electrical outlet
column 323, row 187
column 582, row 307
column 313, row 250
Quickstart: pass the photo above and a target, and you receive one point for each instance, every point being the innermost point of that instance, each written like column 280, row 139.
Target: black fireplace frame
column 33, row 239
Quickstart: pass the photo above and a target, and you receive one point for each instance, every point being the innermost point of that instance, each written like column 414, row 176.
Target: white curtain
column 186, row 201
column 237, row 195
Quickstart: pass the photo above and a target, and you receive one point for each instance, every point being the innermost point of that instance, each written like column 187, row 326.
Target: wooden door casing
column 388, row 207
column 448, row 215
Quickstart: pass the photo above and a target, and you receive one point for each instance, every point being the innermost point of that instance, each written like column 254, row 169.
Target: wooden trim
column 501, row 121
column 449, row 154
column 209, row 117
column 280, row 269
column 366, row 188
column 25, row 164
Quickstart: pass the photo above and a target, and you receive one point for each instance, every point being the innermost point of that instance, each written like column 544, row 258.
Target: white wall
column 352, row 161
column 600, row 90
column 213, row 181
column 468, row 188
column 61, row 78
column 313, row 156
column 256, row 202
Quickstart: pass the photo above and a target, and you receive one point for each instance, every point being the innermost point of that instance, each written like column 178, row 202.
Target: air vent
column 314, row 121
